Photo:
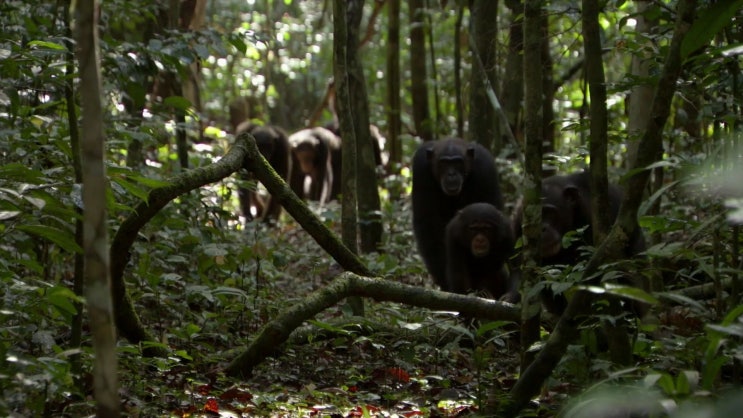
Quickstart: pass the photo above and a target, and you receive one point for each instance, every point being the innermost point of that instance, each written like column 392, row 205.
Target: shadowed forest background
column 213, row 308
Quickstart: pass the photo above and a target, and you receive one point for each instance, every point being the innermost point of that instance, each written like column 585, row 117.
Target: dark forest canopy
column 227, row 271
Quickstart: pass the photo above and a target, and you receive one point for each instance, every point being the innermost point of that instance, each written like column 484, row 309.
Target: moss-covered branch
column 348, row 284
column 127, row 320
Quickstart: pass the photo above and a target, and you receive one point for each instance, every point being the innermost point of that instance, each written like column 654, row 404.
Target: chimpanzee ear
column 572, row 195
column 471, row 152
column 429, row 154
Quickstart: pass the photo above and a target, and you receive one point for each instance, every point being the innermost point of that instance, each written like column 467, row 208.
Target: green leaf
column 682, row 300
column 329, row 327
column 631, row 292
column 735, row 330
column 20, row 172
column 178, row 102
column 686, row 382
column 48, row 45
column 666, row 384
column 64, row 239
column 8, row 214
column 146, row 181
column 709, row 23
column 733, row 315
column 130, row 187
column 63, row 299
column 183, row 354
column 665, row 250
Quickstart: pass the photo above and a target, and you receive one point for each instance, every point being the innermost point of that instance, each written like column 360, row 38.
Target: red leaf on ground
column 393, row 373
column 235, row 394
column 211, row 405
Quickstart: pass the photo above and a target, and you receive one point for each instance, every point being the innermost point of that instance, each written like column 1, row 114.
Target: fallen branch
column 277, row 331
column 244, row 153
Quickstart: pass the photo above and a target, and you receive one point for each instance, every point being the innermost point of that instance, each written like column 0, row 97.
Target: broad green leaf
column 735, row 330
column 666, row 384
column 733, row 315
column 62, row 238
column 21, row 173
column 178, row 102
column 48, row 45
column 631, row 292
column 8, row 214
column 149, row 182
column 709, row 24
column 683, row 385
column 63, row 299
column 329, row 327
column 131, row 187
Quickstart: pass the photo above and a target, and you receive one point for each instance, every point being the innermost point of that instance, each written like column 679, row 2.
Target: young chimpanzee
column 274, row 145
column 316, row 152
column 566, row 206
column 479, row 242
column 448, row 175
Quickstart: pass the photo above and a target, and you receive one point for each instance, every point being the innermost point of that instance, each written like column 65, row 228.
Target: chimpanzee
column 316, row 152
column 448, row 175
column 378, row 141
column 566, row 206
column 479, row 243
column 274, row 145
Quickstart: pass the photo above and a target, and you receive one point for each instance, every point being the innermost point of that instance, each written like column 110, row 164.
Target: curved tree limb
column 276, row 332
column 127, row 320
column 244, row 153
column 301, row 213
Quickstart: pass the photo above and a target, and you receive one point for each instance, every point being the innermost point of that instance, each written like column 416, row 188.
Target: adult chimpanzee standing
column 316, row 153
column 566, row 207
column 274, row 145
column 448, row 175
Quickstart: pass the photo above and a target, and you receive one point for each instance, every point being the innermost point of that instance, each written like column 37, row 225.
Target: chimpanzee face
column 481, row 234
column 559, row 205
column 451, row 164
column 551, row 231
column 307, row 159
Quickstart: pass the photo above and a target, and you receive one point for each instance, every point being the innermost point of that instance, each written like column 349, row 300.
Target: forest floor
column 396, row 361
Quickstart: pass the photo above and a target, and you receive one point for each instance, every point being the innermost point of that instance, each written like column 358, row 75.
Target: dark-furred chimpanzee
column 566, row 206
column 448, row 175
column 479, row 243
column 316, row 153
column 274, row 145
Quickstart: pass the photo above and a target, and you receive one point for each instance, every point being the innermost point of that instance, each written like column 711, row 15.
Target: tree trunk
column 620, row 347
column 353, row 112
column 512, row 88
column 532, row 219
column 346, row 21
column 419, row 78
column 641, row 93
column 393, row 84
column 95, row 241
column 483, row 122
column 598, row 121
column 548, row 91
column 78, row 285
column 459, row 104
